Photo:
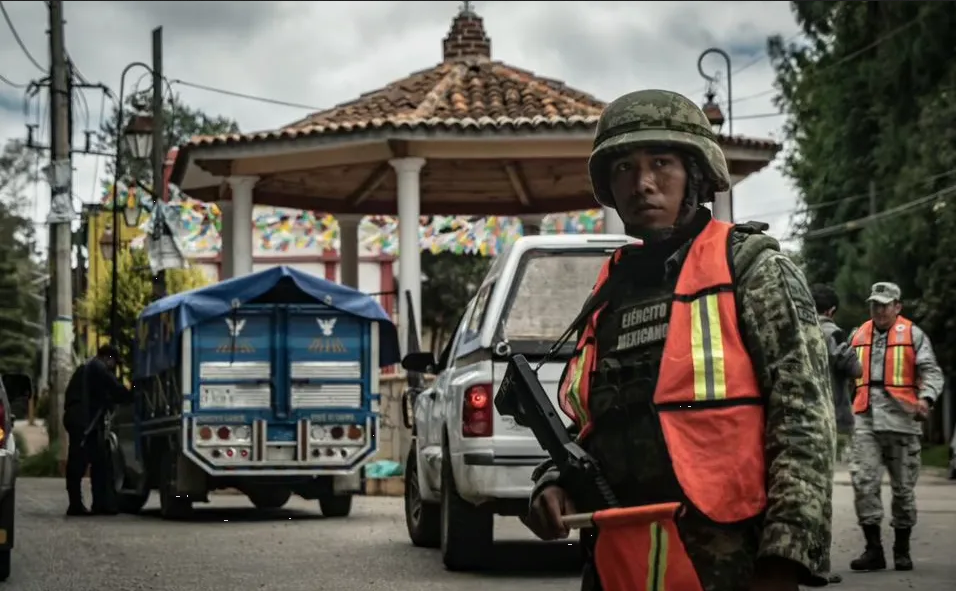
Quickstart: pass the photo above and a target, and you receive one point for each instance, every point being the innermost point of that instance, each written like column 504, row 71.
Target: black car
column 15, row 393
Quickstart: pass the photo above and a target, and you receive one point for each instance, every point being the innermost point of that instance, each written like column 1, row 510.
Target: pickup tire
column 336, row 505
column 422, row 519
column 467, row 531
column 7, row 518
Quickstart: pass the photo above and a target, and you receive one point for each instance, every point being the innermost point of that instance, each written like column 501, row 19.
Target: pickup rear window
column 550, row 289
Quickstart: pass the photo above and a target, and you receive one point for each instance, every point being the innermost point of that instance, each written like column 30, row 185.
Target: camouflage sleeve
column 782, row 333
column 931, row 378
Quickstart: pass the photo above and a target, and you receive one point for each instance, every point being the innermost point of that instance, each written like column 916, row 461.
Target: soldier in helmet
column 702, row 378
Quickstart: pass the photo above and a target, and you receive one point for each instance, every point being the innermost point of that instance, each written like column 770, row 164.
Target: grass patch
column 936, row 456
column 43, row 464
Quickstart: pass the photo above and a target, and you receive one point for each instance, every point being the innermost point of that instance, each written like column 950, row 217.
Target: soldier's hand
column 544, row 517
column 922, row 410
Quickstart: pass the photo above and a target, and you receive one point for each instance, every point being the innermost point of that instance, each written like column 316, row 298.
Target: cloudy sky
column 319, row 54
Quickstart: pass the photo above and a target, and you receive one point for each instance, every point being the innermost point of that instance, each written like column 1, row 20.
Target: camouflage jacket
column 782, row 334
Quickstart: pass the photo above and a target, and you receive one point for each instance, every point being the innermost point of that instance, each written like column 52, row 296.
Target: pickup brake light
column 477, row 419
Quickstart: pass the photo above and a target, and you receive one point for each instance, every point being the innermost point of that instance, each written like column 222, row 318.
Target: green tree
column 450, row 282
column 19, row 311
column 134, row 294
column 869, row 94
column 181, row 123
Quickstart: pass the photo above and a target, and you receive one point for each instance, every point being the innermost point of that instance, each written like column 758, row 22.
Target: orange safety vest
column 707, row 397
column 899, row 367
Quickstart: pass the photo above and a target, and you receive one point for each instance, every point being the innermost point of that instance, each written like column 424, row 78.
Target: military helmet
column 654, row 117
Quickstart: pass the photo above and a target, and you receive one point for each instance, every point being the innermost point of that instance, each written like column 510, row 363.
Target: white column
column 612, row 222
column 349, row 249
column 225, row 240
column 407, row 171
column 723, row 207
column 242, row 202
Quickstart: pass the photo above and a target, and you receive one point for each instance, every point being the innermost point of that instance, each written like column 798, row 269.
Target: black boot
column 901, row 549
column 872, row 557
column 75, row 494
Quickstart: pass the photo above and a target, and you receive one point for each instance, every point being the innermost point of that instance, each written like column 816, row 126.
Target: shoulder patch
column 799, row 291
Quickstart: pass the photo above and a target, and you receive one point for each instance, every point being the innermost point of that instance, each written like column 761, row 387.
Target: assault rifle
column 522, row 397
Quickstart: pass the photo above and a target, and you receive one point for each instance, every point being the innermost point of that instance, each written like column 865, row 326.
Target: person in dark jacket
column 844, row 367
column 90, row 395
column 844, row 364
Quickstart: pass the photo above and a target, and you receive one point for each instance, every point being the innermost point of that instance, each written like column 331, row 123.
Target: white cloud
column 324, row 53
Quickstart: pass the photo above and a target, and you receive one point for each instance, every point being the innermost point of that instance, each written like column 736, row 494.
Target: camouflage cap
column 648, row 118
column 885, row 292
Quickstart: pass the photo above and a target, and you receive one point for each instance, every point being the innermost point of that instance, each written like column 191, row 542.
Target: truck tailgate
column 513, row 440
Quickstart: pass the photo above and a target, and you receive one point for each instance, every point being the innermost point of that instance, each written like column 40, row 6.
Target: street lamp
column 106, row 244
column 713, row 80
column 715, row 117
column 138, row 134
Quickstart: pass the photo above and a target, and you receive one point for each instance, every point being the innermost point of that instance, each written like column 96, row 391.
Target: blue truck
column 266, row 383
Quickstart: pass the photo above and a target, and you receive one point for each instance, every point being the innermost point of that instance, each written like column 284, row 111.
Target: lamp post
column 139, row 140
column 713, row 111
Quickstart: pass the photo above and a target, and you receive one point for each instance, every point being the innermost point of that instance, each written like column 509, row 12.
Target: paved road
column 230, row 547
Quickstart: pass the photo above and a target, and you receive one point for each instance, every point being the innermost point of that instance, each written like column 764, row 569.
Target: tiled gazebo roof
column 466, row 91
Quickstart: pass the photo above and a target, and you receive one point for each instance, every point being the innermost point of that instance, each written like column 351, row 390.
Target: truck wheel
column 171, row 506
column 270, row 498
column 5, row 556
column 422, row 519
column 467, row 531
column 336, row 505
column 124, row 482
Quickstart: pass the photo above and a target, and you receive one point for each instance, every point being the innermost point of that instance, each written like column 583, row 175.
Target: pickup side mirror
column 421, row 362
column 19, row 388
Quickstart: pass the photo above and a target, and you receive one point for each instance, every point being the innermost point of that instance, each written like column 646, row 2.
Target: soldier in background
column 901, row 380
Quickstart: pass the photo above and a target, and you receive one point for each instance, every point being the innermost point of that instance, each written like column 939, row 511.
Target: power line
column 251, row 97
column 815, row 206
column 6, row 80
column 859, row 223
column 853, row 55
column 16, row 36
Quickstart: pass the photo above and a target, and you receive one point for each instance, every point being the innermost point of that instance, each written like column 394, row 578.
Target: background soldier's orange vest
column 899, row 367
column 707, row 396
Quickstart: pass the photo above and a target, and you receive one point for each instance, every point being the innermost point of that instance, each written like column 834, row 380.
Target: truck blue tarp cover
column 165, row 319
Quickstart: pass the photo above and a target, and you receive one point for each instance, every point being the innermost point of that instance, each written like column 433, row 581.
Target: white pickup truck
column 467, row 463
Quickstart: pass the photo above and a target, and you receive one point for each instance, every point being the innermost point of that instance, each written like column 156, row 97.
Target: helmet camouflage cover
column 654, row 118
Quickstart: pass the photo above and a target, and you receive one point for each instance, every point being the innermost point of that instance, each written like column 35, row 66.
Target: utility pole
column 159, row 153
column 872, row 198
column 60, row 220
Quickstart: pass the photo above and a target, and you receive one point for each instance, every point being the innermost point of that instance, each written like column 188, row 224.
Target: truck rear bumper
column 482, row 476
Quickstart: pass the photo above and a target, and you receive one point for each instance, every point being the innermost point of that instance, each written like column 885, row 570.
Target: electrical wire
column 6, row 80
column 19, row 41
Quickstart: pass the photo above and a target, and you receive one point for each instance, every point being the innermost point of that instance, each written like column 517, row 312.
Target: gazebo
column 469, row 136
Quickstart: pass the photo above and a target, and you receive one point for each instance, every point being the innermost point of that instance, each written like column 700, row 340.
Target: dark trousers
column 95, row 455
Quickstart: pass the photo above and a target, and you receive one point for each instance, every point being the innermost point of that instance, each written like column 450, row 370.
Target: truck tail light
column 3, row 431
column 477, row 418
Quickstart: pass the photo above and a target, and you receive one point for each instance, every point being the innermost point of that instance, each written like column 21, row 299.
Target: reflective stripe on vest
column 707, row 395
column 899, row 365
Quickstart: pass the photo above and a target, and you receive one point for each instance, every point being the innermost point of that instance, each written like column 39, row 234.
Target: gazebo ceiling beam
column 372, row 182
column 519, row 183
